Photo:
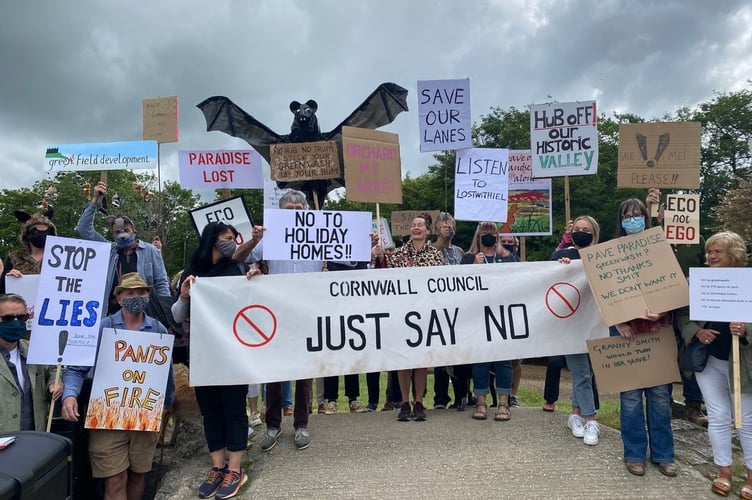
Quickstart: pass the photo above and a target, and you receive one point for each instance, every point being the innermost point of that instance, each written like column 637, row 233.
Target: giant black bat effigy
column 379, row 109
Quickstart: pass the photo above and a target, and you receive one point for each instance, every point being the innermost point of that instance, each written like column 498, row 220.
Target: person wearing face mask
column 510, row 244
column 128, row 253
column 633, row 218
column 485, row 249
column 222, row 406
column 25, row 390
column 121, row 458
column 33, row 235
column 582, row 422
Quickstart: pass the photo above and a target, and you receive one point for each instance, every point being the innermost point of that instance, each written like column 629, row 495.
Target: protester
column 25, row 390
column 417, row 252
column 122, row 458
column 512, row 245
column 724, row 249
column 688, row 255
column 223, row 407
column 633, row 218
column 486, row 249
column 28, row 260
column 127, row 255
column 585, row 232
column 291, row 200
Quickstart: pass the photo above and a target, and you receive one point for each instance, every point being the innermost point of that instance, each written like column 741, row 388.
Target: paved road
column 450, row 456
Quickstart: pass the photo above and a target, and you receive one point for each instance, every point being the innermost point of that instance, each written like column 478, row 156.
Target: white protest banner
column 26, row 286
column 160, row 119
column 647, row 361
column 444, row 114
column 386, row 236
column 69, row 302
column 220, row 169
column 272, row 194
column 529, row 205
column 297, row 326
column 481, row 184
column 101, row 156
column 681, row 218
column 130, row 379
column 564, row 139
column 720, row 294
column 632, row 274
column 317, row 235
column 231, row 211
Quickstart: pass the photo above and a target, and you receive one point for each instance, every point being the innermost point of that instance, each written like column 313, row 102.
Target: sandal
column 746, row 492
column 503, row 413
column 481, row 412
column 722, row 486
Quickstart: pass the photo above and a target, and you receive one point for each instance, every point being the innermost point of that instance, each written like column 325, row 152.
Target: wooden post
column 378, row 222
column 567, row 216
column 52, row 404
column 523, row 249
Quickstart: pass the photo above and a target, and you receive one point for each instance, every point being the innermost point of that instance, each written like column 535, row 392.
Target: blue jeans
column 582, row 384
column 633, row 432
column 481, row 377
column 287, row 394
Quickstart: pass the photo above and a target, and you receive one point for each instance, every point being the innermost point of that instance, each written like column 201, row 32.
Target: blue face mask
column 634, row 224
column 124, row 239
column 12, row 331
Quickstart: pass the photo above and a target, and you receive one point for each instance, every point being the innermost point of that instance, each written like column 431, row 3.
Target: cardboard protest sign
column 564, row 139
column 160, row 119
column 101, row 156
column 444, row 115
column 720, row 294
column 69, row 302
column 386, row 236
column 130, row 379
column 297, row 326
column 220, row 169
column 304, row 161
column 529, row 205
column 373, row 171
column 231, row 211
column 481, row 184
column 681, row 218
column 317, row 235
column 647, row 361
column 402, row 219
column 272, row 194
column 635, row 273
column 663, row 155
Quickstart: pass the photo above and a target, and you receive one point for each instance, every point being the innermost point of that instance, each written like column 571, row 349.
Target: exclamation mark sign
column 62, row 341
column 674, row 178
column 348, row 252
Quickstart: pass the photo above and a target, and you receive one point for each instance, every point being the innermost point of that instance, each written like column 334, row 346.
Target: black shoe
column 404, row 414
column 514, row 402
column 419, row 412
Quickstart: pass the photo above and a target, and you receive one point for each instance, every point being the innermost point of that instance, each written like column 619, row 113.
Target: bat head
column 305, row 125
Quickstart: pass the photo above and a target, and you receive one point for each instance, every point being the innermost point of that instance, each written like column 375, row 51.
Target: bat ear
column 21, row 216
column 312, row 104
column 294, row 106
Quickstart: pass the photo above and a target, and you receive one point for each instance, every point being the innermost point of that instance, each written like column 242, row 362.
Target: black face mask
column 488, row 240
column 38, row 238
column 510, row 248
column 581, row 238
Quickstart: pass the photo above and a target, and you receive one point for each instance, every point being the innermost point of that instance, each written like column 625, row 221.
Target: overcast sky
column 76, row 72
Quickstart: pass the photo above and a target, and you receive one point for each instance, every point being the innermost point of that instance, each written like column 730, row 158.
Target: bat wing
column 379, row 109
column 224, row 115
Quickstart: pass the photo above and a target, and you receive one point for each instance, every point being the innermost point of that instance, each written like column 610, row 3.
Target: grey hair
column 294, row 196
column 12, row 297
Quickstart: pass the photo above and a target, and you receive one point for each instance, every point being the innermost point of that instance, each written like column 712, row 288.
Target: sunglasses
column 7, row 318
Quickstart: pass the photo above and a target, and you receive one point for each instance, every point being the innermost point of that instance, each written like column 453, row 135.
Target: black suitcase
column 37, row 466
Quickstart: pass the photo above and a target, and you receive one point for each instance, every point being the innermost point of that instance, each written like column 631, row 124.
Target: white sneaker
column 592, row 431
column 255, row 420
column 575, row 425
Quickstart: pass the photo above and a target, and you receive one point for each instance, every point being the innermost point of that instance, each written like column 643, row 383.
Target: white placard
column 317, row 235
column 386, row 235
column 564, row 139
column 26, row 286
column 272, row 194
column 297, row 326
column 681, row 218
column 70, row 300
column 444, row 114
column 231, row 211
column 720, row 294
column 130, row 379
column 481, row 184
column 220, row 169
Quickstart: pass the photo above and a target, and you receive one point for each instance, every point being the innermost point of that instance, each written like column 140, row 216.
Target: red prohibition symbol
column 562, row 299
column 254, row 325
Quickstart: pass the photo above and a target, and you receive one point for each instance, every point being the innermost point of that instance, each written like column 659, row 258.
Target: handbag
column 694, row 356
